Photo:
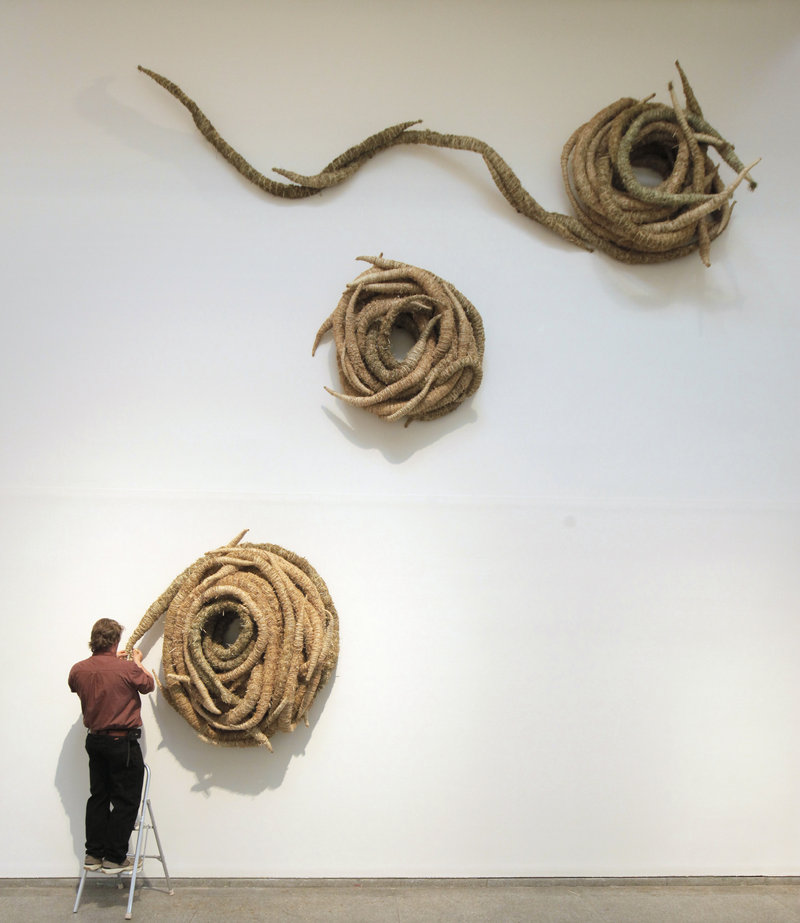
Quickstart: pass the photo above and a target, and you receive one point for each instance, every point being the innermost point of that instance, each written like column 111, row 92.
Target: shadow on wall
column 396, row 442
column 72, row 782
column 245, row 770
column 393, row 440
column 679, row 282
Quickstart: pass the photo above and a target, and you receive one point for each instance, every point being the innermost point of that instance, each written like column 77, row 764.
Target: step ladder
column 144, row 823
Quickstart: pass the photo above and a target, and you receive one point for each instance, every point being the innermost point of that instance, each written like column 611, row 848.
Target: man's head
column 105, row 635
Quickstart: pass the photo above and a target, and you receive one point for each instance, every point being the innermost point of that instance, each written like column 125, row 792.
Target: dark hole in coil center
column 403, row 336
column 652, row 162
column 225, row 627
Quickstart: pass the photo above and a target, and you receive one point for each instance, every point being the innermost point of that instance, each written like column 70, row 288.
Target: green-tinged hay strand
column 614, row 212
column 238, row 692
column 440, row 371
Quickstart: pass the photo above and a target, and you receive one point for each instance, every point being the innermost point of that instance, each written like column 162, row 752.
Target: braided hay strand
column 614, row 212
column 440, row 371
column 238, row 693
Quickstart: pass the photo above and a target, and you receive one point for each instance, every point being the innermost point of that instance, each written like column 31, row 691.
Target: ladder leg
column 139, row 839
column 160, row 849
column 81, row 883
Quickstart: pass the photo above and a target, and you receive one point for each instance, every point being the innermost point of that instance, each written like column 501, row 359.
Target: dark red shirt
column 109, row 691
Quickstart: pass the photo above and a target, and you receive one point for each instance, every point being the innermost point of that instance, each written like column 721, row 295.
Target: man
column 109, row 685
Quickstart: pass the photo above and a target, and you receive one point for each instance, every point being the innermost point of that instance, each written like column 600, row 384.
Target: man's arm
column 136, row 657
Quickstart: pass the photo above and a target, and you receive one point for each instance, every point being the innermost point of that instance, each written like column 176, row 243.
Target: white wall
column 569, row 610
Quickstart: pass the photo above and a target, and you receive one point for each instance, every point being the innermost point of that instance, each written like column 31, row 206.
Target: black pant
column 116, row 772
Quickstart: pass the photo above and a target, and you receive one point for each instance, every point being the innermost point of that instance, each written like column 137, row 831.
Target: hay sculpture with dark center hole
column 614, row 211
column 440, row 371
column 237, row 689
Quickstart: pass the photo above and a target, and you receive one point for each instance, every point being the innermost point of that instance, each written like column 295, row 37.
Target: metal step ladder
column 144, row 823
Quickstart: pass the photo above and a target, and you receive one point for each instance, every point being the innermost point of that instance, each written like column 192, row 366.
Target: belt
column 112, row 732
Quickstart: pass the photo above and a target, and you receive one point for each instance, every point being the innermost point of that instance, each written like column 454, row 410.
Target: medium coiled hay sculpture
column 440, row 371
column 614, row 211
column 236, row 690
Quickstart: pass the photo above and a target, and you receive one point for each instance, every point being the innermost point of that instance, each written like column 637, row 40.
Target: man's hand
column 136, row 656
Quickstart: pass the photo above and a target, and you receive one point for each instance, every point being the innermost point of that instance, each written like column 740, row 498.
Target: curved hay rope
column 440, row 371
column 238, row 693
column 615, row 213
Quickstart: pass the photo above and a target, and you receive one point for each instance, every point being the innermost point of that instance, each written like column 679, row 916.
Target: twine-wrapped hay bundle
column 237, row 691
column 615, row 213
column 641, row 224
column 440, row 371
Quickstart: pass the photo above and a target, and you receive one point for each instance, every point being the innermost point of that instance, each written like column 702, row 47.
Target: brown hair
column 105, row 634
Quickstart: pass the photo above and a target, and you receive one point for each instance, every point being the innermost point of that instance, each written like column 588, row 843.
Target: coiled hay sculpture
column 440, row 371
column 614, row 212
column 237, row 689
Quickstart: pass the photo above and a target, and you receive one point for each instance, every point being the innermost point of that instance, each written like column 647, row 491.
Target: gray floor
column 728, row 900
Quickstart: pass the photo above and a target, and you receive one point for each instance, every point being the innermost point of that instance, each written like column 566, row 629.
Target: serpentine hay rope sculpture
column 440, row 371
column 615, row 212
column 237, row 691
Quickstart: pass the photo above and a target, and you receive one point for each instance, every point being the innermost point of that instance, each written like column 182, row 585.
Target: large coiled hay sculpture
column 440, row 371
column 237, row 691
column 615, row 212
